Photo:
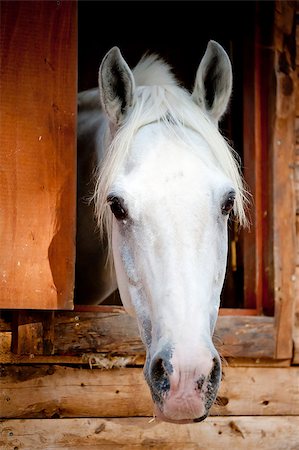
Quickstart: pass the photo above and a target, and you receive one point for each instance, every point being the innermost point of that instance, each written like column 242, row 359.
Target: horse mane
column 160, row 97
column 153, row 70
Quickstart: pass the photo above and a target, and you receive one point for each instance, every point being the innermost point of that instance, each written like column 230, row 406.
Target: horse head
column 167, row 186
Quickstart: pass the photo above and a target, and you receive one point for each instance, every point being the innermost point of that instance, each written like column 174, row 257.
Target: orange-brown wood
column 38, row 154
column 250, row 150
column 237, row 312
column 258, row 142
column 283, row 176
column 40, row 391
column 258, row 249
column 110, row 330
column 139, row 433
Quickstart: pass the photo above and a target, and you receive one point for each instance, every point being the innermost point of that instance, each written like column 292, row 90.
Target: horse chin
column 159, row 415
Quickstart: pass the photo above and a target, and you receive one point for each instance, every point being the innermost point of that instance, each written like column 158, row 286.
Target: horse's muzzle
column 183, row 395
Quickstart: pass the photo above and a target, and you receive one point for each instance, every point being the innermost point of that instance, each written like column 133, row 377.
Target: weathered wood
column 296, row 306
column 77, row 337
column 245, row 336
column 43, row 391
column 38, row 154
column 257, row 362
column 33, row 332
column 92, row 359
column 5, row 344
column 283, row 147
column 81, row 332
column 252, row 143
column 242, row 433
column 295, row 359
column 111, row 330
column 7, row 357
column 5, row 320
column 27, row 334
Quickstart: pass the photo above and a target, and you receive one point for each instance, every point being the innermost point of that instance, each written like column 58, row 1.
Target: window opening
column 183, row 51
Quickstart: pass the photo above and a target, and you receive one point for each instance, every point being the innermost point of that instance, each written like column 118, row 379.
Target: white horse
column 166, row 185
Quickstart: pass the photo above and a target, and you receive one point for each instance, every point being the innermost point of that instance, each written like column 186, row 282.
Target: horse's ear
column 116, row 83
column 213, row 83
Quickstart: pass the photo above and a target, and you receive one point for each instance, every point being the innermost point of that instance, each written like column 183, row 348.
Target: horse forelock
column 153, row 70
column 159, row 98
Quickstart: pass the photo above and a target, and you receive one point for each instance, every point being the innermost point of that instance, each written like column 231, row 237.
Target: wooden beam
column 240, row 433
column 283, row 145
column 296, row 320
column 5, row 320
column 47, row 391
column 117, row 332
column 109, row 329
column 33, row 332
column 38, row 153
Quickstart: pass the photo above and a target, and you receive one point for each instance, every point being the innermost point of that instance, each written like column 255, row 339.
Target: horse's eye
column 228, row 204
column 117, row 207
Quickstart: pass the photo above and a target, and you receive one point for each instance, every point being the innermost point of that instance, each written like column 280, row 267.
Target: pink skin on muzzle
column 192, row 390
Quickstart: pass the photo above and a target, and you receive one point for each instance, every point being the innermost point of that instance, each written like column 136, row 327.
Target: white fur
column 169, row 163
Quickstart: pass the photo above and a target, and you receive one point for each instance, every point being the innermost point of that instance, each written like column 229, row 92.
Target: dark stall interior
column 179, row 32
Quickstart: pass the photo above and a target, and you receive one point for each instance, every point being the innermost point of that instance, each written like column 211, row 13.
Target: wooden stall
column 71, row 375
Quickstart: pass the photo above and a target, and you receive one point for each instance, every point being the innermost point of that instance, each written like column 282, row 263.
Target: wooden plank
column 296, row 306
column 77, row 333
column 257, row 362
column 5, row 321
column 90, row 359
column 99, row 359
column 283, row 145
column 45, row 391
column 117, row 332
column 27, row 334
column 7, row 357
column 295, row 359
column 33, row 332
column 237, row 312
column 251, row 274
column 242, row 433
column 5, row 344
column 259, row 105
column 72, row 335
column 38, row 154
column 297, row 184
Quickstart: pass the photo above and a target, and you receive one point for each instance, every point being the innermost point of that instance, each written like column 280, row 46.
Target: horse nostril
column 215, row 373
column 213, row 378
column 159, row 374
column 200, row 382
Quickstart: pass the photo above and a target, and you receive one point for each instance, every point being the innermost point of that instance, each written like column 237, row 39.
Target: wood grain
column 295, row 359
column 283, row 145
column 242, row 433
column 38, row 154
column 49, row 391
column 296, row 308
column 117, row 332
column 109, row 329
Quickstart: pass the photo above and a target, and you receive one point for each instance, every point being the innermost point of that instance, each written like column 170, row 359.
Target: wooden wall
column 296, row 312
column 66, row 387
column 78, row 408
column 84, row 395
column 38, row 154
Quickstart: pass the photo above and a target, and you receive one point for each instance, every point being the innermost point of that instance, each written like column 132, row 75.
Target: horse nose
column 211, row 382
column 215, row 373
column 160, row 370
column 183, row 392
column 213, row 377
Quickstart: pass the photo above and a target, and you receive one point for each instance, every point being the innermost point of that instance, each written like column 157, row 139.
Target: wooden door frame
column 108, row 329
